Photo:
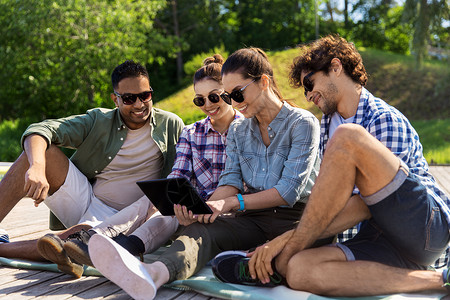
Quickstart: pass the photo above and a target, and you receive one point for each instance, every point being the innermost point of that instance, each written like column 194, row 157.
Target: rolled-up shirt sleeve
column 300, row 167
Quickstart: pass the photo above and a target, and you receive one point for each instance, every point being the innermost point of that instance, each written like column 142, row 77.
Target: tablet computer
column 166, row 192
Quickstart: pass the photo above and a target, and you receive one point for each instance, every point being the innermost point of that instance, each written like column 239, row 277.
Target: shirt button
column 121, row 139
column 118, row 128
column 96, row 172
column 263, row 169
column 271, row 135
column 109, row 157
column 269, row 128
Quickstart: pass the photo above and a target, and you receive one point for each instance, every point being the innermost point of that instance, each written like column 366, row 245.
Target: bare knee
column 306, row 269
column 348, row 136
column 299, row 273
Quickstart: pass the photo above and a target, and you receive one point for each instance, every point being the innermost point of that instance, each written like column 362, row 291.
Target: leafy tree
column 57, row 56
column 370, row 29
column 427, row 17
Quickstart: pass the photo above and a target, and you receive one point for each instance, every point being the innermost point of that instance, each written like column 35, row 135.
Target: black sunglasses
column 214, row 98
column 129, row 99
column 308, row 85
column 237, row 95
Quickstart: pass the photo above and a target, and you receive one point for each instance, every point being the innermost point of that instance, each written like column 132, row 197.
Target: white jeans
column 75, row 203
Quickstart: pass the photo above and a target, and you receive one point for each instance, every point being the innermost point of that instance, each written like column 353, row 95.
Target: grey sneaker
column 76, row 247
column 51, row 247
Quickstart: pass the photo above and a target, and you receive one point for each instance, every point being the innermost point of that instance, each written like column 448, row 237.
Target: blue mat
column 205, row 283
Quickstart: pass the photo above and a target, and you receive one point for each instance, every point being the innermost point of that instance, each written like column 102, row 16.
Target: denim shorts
column 407, row 228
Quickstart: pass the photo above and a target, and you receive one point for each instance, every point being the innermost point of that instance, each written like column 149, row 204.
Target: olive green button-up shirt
column 99, row 134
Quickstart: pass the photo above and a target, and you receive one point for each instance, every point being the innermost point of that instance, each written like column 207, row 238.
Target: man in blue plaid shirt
column 371, row 145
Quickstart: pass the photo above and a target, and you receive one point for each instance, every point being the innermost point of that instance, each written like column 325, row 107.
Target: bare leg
column 28, row 249
column 353, row 157
column 12, row 184
column 325, row 271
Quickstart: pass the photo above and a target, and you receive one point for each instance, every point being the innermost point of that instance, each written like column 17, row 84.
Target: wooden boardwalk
column 28, row 222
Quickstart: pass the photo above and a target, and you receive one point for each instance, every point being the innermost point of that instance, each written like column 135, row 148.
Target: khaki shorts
column 75, row 203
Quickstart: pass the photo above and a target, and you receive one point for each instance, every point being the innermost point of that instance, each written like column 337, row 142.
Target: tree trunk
column 330, row 10
column 177, row 43
column 421, row 33
column 346, row 14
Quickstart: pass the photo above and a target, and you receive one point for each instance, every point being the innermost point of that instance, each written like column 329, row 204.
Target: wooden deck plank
column 66, row 289
column 106, row 288
column 17, row 274
column 17, row 287
column 442, row 176
column 39, row 289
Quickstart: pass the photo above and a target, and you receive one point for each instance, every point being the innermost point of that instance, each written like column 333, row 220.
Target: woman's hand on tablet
column 184, row 216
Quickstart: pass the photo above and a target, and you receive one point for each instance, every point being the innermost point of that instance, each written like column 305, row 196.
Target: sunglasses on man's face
column 129, row 99
column 308, row 85
column 214, row 98
column 238, row 95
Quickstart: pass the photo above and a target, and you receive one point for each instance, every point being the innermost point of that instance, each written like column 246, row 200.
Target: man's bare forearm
column 35, row 147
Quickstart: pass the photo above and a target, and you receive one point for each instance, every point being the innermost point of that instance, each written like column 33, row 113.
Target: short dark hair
column 128, row 69
column 317, row 56
column 211, row 69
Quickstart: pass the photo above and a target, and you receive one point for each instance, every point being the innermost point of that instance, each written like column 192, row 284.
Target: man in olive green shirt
column 114, row 149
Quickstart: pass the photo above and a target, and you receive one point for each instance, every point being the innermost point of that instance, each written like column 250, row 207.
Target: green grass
column 435, row 138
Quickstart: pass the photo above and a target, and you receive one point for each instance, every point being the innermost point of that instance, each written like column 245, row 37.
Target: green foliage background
column 56, row 57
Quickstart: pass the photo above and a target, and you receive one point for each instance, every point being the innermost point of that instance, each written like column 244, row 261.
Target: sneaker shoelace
column 447, row 284
column 244, row 274
column 111, row 232
column 82, row 236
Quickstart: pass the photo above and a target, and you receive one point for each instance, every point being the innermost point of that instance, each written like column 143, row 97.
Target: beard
column 329, row 103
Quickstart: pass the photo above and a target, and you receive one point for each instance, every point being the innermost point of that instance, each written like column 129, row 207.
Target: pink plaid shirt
column 201, row 156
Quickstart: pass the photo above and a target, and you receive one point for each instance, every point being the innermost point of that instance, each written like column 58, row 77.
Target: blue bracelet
column 241, row 202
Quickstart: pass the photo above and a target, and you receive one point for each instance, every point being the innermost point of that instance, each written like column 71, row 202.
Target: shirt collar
column 208, row 125
column 363, row 99
column 277, row 122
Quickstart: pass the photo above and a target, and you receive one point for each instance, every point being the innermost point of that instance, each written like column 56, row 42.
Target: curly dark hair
column 317, row 56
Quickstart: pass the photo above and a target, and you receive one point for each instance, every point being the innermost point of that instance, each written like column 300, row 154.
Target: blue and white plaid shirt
column 391, row 127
